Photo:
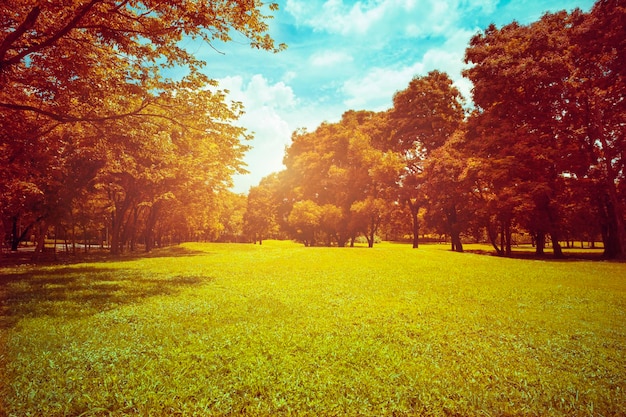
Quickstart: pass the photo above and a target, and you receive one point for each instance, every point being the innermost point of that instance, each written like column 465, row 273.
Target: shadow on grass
column 72, row 292
column 25, row 256
column 591, row 255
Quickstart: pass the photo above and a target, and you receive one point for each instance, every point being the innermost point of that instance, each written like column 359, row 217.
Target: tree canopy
column 538, row 153
column 92, row 119
column 100, row 138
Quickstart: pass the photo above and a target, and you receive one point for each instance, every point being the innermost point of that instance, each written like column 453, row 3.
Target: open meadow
column 280, row 329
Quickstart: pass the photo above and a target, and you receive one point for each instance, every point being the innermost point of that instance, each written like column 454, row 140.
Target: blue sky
column 344, row 55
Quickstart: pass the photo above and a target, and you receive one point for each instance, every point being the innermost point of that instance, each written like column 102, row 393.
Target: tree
column 42, row 176
column 596, row 114
column 368, row 215
column 526, row 99
column 446, row 189
column 423, row 117
column 262, row 209
column 88, row 76
column 305, row 218
column 549, row 101
column 331, row 219
column 79, row 61
column 232, row 211
column 158, row 161
column 339, row 164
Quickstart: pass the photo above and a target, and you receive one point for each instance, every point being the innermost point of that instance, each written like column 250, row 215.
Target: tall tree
column 596, row 114
column 339, row 164
column 423, row 117
column 77, row 60
column 519, row 74
column 159, row 160
column 368, row 215
column 232, row 209
column 446, row 189
column 304, row 218
column 549, row 105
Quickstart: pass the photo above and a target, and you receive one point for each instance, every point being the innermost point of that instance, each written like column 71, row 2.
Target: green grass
column 280, row 329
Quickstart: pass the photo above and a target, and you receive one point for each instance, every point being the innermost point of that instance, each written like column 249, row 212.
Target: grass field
column 279, row 329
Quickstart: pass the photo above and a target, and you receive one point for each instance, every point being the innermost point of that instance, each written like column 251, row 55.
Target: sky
column 348, row 55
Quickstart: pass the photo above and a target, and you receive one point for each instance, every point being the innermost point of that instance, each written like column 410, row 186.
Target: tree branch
column 28, row 23
column 49, row 42
column 66, row 118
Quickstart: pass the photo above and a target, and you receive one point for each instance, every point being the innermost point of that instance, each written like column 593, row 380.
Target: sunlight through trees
column 99, row 145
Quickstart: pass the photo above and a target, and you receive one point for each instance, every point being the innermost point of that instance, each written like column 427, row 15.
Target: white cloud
column 289, row 76
column 329, row 58
column 375, row 90
column 449, row 58
column 259, row 92
column 335, row 17
column 264, row 105
column 379, row 18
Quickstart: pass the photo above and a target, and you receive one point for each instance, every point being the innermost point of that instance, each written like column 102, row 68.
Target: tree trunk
column 612, row 233
column 73, row 239
column 455, row 234
column 118, row 232
column 17, row 237
column 86, row 242
column 415, row 222
column 541, row 243
column 493, row 238
column 615, row 244
column 115, row 234
column 507, row 232
column 556, row 246
column 2, row 237
column 502, row 239
column 150, row 226
column 457, row 245
column 130, row 231
column 41, row 240
column 505, row 238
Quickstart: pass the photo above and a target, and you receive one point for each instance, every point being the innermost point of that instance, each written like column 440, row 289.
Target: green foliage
column 334, row 167
column 279, row 329
column 92, row 118
column 548, row 119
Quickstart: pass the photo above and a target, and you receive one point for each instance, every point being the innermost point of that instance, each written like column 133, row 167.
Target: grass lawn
column 279, row 329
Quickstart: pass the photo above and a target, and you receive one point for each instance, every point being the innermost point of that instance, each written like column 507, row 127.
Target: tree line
column 97, row 142
column 540, row 150
column 99, row 145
